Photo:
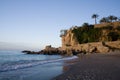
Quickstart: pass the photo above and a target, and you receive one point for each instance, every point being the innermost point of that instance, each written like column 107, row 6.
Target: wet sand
column 94, row 67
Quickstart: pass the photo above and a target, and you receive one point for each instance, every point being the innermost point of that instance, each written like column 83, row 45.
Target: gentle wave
column 25, row 64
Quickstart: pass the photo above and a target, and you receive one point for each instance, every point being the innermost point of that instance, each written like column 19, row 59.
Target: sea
column 15, row 65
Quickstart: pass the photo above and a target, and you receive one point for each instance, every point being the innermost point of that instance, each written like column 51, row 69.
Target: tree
column 95, row 16
column 115, row 18
column 104, row 20
column 111, row 18
column 85, row 25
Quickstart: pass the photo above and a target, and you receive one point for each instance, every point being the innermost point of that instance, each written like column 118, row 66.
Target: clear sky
column 36, row 23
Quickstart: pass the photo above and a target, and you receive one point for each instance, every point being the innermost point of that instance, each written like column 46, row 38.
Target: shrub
column 113, row 36
column 87, row 34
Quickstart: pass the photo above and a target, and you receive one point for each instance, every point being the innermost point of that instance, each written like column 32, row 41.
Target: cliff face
column 69, row 39
column 109, row 35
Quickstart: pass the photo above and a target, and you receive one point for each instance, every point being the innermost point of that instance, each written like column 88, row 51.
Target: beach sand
column 93, row 67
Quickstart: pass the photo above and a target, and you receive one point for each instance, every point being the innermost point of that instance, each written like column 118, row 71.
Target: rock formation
column 69, row 39
column 71, row 45
column 70, row 42
column 49, row 50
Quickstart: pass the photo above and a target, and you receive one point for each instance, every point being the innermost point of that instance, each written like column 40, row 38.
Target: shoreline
column 94, row 67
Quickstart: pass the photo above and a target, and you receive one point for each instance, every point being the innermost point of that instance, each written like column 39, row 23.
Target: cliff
column 115, row 24
column 100, row 38
column 96, row 38
column 69, row 39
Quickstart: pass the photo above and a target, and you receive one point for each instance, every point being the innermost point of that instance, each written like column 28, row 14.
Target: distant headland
column 98, row 38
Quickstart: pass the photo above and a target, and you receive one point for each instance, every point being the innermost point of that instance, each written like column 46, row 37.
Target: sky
column 33, row 24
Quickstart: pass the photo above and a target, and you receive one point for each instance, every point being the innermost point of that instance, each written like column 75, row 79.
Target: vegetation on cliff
column 110, row 18
column 105, row 31
column 87, row 33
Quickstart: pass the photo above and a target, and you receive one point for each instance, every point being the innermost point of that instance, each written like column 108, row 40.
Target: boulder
column 92, row 49
column 102, row 49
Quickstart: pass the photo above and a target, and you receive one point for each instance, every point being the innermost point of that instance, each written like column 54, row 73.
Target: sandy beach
column 94, row 67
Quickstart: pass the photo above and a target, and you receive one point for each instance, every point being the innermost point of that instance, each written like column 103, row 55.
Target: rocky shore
column 97, row 47
column 49, row 50
column 94, row 67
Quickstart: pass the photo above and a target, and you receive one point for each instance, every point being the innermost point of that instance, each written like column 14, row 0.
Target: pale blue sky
column 37, row 23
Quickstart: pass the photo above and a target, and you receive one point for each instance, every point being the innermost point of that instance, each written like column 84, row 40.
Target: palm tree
column 95, row 16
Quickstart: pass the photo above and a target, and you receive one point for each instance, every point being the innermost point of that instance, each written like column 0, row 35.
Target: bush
column 107, row 27
column 113, row 36
column 118, row 28
column 87, row 34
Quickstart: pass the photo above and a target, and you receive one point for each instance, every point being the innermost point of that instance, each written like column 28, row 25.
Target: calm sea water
column 15, row 65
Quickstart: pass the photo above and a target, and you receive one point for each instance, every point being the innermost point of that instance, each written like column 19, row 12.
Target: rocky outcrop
column 102, row 49
column 92, row 49
column 96, row 47
column 71, row 45
column 69, row 39
column 109, row 34
column 49, row 50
